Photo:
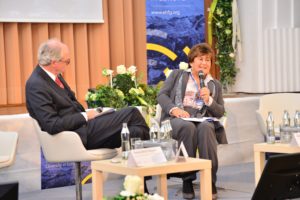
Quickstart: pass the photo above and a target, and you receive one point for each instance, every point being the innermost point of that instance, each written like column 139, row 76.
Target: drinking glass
column 133, row 142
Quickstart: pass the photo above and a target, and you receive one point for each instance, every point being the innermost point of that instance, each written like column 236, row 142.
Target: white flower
column 120, row 93
column 93, row 96
column 231, row 55
column 125, row 193
column 155, row 197
column 132, row 69
column 107, row 72
column 121, row 69
column 133, row 184
column 87, row 96
column 183, row 65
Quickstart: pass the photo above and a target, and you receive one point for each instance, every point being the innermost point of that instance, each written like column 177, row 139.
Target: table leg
column 162, row 186
column 259, row 163
column 142, row 183
column 97, row 184
column 205, row 184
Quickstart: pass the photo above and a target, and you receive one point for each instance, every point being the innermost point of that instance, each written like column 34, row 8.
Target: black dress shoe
column 214, row 191
column 188, row 190
column 214, row 188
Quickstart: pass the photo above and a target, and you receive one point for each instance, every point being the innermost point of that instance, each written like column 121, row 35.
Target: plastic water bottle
column 270, row 129
column 297, row 119
column 286, row 118
column 125, row 141
column 154, row 131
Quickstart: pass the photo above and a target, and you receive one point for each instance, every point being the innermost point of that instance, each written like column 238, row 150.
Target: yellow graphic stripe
column 186, row 50
column 161, row 49
column 86, row 179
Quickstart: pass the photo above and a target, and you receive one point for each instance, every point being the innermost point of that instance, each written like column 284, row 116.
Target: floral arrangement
column 123, row 90
column 133, row 191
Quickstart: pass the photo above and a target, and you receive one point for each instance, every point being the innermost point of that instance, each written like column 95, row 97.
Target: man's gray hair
column 49, row 51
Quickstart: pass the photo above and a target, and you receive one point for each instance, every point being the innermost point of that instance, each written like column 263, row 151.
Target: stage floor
column 235, row 182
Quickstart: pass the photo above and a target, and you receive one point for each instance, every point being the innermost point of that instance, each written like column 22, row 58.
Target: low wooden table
column 259, row 155
column 191, row 164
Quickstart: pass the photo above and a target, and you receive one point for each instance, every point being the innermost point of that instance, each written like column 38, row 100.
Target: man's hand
column 177, row 112
column 204, row 94
column 91, row 114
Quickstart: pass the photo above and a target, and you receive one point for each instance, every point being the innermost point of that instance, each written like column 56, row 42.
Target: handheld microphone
column 201, row 79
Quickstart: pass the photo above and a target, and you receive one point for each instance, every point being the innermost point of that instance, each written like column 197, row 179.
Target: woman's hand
column 204, row 94
column 177, row 112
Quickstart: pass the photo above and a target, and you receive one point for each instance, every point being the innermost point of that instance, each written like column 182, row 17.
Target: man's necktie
column 58, row 82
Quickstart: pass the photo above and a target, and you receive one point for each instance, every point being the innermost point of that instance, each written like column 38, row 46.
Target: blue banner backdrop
column 173, row 27
column 62, row 174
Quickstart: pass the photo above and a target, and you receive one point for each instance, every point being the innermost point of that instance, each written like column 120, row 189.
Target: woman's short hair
column 49, row 51
column 199, row 50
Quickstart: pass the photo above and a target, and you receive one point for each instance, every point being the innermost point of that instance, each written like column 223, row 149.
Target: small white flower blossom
column 155, row 197
column 93, row 97
column 120, row 93
column 107, row 72
column 121, row 69
column 183, row 65
column 87, row 96
column 228, row 31
column 132, row 69
column 231, row 55
column 125, row 193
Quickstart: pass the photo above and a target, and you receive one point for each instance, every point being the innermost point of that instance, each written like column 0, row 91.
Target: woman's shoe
column 214, row 191
column 188, row 190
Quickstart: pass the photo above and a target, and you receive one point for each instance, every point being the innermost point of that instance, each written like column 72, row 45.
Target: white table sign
column 182, row 149
column 145, row 157
column 295, row 139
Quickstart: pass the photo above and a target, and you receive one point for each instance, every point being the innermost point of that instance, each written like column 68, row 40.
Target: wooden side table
column 259, row 155
column 191, row 164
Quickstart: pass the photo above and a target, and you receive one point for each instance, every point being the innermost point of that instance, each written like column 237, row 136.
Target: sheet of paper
column 202, row 119
column 295, row 139
column 105, row 111
column 146, row 157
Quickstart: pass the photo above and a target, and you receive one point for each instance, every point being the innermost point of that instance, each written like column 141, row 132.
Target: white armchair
column 8, row 146
column 276, row 103
column 67, row 146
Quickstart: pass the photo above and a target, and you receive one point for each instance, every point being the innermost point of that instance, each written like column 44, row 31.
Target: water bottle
column 285, row 135
column 154, row 131
column 297, row 119
column 125, row 141
column 286, row 118
column 166, row 130
column 270, row 129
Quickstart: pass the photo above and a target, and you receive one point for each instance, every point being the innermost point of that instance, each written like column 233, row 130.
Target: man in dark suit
column 53, row 104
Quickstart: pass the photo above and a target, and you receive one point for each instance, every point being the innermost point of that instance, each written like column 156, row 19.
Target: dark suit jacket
column 54, row 108
column 166, row 99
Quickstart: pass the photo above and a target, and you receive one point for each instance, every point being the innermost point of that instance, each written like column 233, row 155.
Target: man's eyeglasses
column 67, row 62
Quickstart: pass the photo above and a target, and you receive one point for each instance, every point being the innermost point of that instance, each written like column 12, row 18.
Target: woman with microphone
column 194, row 93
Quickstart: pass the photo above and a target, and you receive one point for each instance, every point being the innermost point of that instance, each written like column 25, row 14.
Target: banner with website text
column 173, row 27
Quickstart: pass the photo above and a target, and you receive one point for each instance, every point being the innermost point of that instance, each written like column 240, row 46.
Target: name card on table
column 146, row 156
column 182, row 149
column 295, row 139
